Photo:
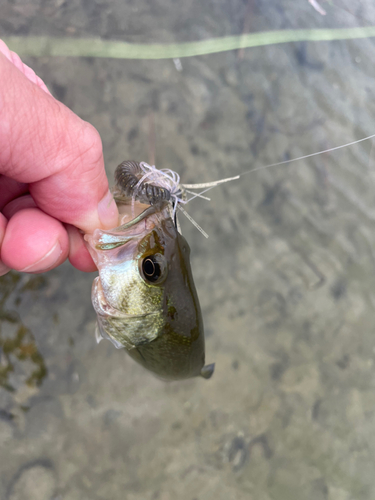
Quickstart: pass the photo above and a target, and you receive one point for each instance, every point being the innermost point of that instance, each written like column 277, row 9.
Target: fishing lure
column 130, row 178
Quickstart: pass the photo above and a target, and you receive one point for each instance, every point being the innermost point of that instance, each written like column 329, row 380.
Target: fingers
column 78, row 194
column 79, row 256
column 10, row 189
column 44, row 144
column 34, row 242
column 32, row 229
column 18, row 204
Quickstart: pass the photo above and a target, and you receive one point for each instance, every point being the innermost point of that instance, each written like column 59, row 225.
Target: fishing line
column 211, row 185
column 308, row 156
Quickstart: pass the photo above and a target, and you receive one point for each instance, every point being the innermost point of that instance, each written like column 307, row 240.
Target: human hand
column 52, row 177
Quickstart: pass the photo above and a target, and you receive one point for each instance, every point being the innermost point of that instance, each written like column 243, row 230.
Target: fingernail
column 107, row 211
column 46, row 262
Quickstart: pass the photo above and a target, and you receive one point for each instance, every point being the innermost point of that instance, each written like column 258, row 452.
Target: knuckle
column 90, row 143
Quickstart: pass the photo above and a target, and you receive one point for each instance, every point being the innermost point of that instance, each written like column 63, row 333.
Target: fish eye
column 154, row 268
column 151, row 269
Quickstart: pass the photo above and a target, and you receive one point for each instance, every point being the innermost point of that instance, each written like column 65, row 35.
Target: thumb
column 44, row 144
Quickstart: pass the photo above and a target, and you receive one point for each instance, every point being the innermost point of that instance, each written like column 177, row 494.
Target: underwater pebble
column 33, row 483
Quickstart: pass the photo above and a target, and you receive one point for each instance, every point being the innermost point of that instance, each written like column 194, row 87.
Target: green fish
column 144, row 296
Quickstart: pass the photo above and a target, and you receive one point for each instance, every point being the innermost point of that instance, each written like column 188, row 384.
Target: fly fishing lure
column 147, row 184
column 136, row 180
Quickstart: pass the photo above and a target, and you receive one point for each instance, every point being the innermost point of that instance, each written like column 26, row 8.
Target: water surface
column 286, row 278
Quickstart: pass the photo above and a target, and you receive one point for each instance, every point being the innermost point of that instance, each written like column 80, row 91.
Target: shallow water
column 286, row 278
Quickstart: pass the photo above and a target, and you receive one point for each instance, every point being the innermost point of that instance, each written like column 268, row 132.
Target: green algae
column 20, row 346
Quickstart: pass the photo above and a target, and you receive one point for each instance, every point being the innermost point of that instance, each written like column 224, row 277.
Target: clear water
column 286, row 279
